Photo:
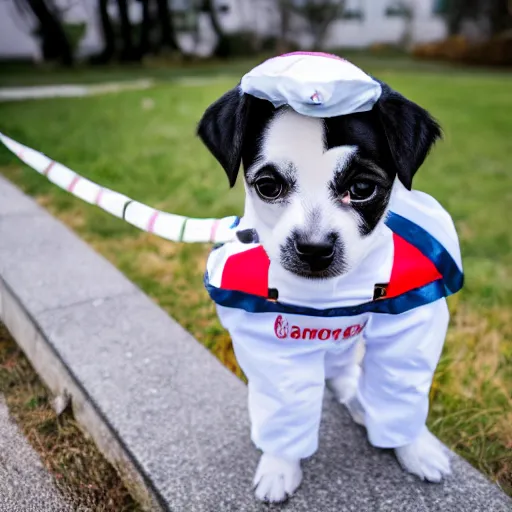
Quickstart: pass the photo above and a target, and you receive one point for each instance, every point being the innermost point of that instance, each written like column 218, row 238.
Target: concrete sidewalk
column 25, row 485
column 37, row 92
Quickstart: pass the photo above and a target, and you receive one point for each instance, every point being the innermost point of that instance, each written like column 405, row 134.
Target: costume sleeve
column 286, row 385
column 402, row 352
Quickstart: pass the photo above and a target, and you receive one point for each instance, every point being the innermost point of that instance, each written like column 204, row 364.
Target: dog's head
column 317, row 189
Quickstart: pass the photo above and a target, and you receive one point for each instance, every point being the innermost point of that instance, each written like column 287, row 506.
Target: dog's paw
column 276, row 479
column 425, row 457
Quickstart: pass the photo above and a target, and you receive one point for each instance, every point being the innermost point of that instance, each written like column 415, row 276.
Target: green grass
column 153, row 156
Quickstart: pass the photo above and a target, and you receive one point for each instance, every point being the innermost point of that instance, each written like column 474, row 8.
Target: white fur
column 297, row 139
column 425, row 457
column 344, row 386
column 276, row 479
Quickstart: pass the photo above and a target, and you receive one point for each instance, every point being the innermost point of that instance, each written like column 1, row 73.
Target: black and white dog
column 341, row 249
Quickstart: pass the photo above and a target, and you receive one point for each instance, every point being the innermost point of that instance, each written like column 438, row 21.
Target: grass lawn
column 151, row 154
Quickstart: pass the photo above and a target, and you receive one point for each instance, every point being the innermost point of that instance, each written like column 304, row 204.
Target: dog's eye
column 362, row 190
column 269, row 187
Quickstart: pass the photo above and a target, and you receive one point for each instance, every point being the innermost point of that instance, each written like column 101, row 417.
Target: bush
column 497, row 51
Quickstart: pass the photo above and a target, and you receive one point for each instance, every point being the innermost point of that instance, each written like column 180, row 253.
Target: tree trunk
column 282, row 43
column 55, row 44
column 222, row 48
column 145, row 27
column 167, row 33
column 128, row 53
column 109, row 38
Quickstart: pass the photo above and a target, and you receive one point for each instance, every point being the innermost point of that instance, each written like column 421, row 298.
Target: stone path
column 25, row 485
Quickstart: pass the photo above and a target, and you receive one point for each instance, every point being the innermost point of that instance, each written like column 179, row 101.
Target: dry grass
column 82, row 475
column 471, row 395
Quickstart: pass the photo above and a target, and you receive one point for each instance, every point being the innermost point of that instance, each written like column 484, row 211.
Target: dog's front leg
column 286, row 384
column 402, row 352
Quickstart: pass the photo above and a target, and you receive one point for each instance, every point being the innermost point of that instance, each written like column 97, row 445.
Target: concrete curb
column 163, row 410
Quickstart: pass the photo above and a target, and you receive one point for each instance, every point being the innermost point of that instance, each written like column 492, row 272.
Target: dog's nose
column 318, row 256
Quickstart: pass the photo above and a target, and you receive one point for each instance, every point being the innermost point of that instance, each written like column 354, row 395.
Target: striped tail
column 166, row 225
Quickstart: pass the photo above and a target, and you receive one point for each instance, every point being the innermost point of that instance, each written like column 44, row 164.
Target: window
column 397, row 8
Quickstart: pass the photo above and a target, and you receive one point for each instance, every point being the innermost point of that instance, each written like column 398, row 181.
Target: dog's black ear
column 410, row 132
column 222, row 130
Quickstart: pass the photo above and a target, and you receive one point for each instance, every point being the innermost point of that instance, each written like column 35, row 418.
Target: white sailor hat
column 313, row 84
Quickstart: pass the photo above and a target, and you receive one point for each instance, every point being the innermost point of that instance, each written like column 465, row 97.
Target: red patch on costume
column 411, row 269
column 247, row 272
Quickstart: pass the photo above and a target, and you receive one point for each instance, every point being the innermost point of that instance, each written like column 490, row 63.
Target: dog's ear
column 410, row 132
column 222, row 130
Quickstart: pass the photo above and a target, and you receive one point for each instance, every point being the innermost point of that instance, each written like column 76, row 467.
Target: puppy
column 333, row 246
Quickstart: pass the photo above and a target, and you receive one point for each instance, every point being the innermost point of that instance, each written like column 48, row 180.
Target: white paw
column 425, row 457
column 344, row 387
column 276, row 479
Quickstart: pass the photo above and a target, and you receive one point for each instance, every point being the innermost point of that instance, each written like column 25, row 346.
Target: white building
column 363, row 23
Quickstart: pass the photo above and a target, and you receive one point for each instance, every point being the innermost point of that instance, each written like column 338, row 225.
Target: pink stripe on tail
column 213, row 231
column 46, row 172
column 98, row 197
column 151, row 222
column 73, row 183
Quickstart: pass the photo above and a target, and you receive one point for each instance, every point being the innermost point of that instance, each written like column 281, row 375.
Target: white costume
column 290, row 334
column 289, row 347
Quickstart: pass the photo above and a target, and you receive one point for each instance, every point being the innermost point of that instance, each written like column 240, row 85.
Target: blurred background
column 114, row 90
column 106, row 31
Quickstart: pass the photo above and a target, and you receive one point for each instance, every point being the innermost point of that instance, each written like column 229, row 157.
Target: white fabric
column 288, row 357
column 426, row 212
column 402, row 352
column 313, row 84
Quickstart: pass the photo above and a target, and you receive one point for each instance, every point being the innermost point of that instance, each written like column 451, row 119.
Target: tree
column 109, row 36
column 128, row 52
column 55, row 44
column 317, row 14
column 145, row 28
column 493, row 16
column 222, row 47
column 167, row 33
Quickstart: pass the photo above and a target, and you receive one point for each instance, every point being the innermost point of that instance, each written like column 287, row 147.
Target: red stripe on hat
column 411, row 269
column 49, row 168
column 99, row 195
column 152, row 220
column 213, row 230
column 247, row 272
column 73, row 183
